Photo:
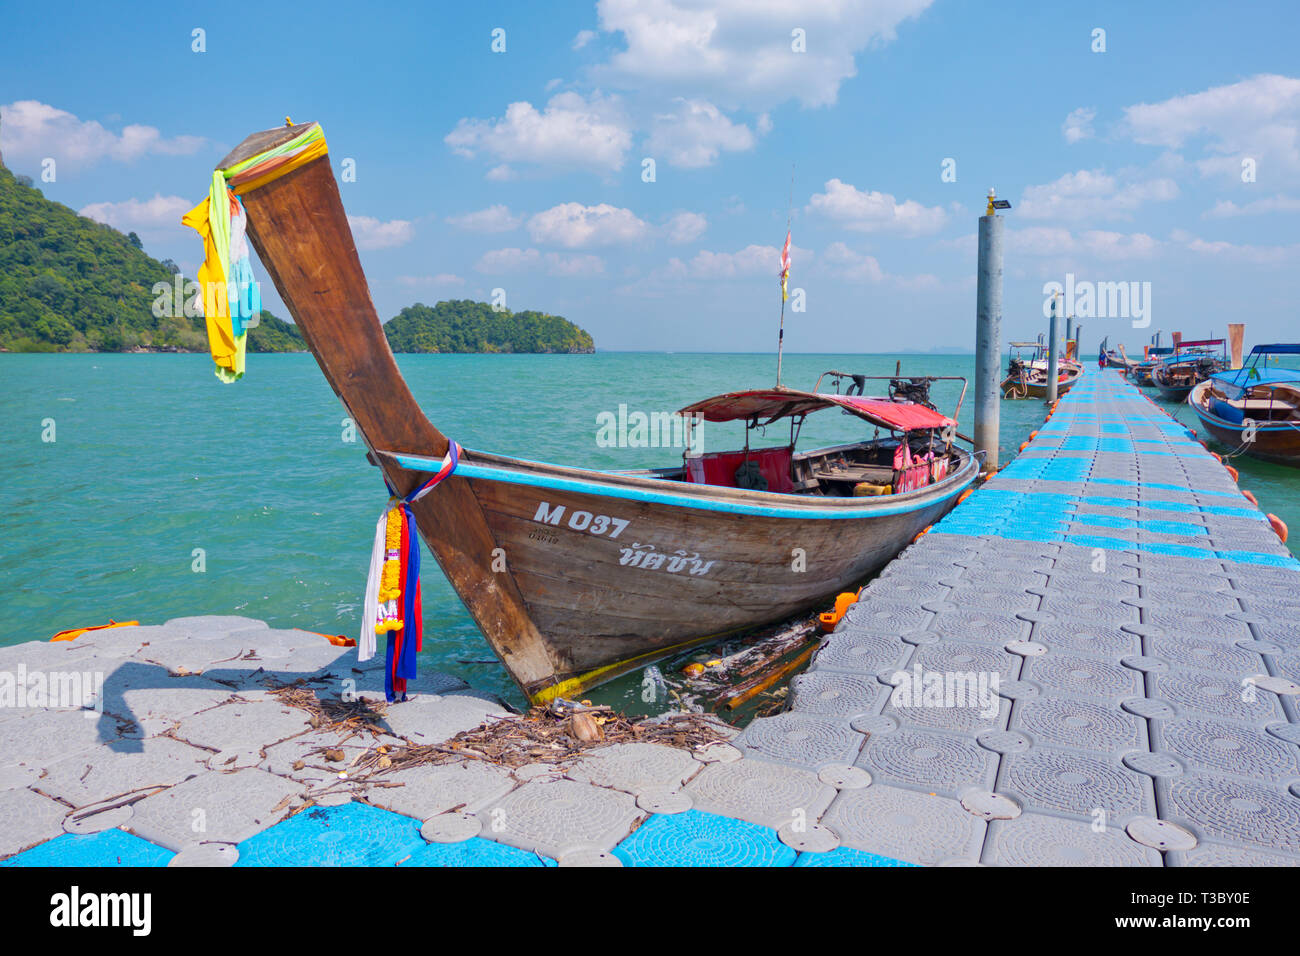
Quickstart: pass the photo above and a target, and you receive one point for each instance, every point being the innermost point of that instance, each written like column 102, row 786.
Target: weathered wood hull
column 1278, row 442
column 1013, row 388
column 563, row 606
column 674, row 565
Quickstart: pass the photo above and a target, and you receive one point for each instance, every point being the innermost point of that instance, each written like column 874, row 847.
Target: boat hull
column 616, row 572
column 1279, row 442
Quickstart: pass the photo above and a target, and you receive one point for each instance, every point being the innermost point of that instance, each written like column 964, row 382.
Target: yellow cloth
column 227, row 349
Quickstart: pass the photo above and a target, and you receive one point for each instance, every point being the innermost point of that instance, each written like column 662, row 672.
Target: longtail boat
column 1139, row 371
column 1112, row 358
column 1256, row 408
column 576, row 576
column 1027, row 369
column 1191, row 363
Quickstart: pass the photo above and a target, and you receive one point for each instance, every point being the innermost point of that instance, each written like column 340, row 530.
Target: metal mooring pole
column 1053, row 343
column 988, row 332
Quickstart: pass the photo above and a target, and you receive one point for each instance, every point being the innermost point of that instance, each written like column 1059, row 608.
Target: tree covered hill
column 70, row 284
column 462, row 325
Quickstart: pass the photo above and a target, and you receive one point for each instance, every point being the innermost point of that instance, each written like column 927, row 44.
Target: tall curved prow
column 297, row 224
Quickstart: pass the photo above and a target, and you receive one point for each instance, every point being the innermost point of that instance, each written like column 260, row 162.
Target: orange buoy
column 1033, row 434
column 965, row 494
column 1232, row 471
column 1024, row 445
column 1214, row 454
column 922, row 533
column 1249, row 497
column 1279, row 526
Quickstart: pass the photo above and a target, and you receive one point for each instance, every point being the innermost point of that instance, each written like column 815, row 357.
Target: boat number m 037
column 581, row 520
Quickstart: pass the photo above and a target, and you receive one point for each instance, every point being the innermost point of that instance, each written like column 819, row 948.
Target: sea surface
column 165, row 493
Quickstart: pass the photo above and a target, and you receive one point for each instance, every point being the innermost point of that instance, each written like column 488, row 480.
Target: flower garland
column 393, row 606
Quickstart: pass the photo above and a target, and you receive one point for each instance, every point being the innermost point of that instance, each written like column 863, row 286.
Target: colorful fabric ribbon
column 229, row 297
column 392, row 605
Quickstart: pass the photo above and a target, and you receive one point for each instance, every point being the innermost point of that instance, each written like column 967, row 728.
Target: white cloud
column 572, row 131
column 1078, row 125
column 848, row 264
column 160, row 212
column 685, row 227
column 875, row 211
column 372, row 233
column 1058, row 242
column 576, row 226
column 694, row 133
column 496, row 218
column 1092, row 194
column 505, row 261
column 583, row 38
column 442, row 278
column 1258, row 118
column 33, row 130
column 740, row 52
column 1227, row 209
column 1238, row 253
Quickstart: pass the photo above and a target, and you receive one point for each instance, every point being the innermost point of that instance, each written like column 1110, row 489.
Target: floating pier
column 1092, row 661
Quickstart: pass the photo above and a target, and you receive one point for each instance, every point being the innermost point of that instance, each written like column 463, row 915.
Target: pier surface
column 1114, row 629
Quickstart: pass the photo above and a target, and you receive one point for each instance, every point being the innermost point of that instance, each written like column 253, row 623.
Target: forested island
column 70, row 284
column 462, row 325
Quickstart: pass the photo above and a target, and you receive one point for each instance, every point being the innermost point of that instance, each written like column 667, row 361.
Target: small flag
column 785, row 265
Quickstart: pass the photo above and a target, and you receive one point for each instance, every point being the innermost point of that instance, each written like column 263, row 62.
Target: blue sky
column 523, row 169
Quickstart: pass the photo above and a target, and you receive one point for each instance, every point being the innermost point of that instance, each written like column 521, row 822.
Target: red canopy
column 771, row 404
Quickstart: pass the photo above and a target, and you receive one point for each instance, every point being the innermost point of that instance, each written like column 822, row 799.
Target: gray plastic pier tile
column 26, row 819
column 934, row 762
column 635, row 767
column 430, row 790
column 952, row 656
column 91, row 777
column 860, row 652
column 1034, row 839
column 1218, row 854
column 1075, row 783
column 1232, row 810
column 893, row 616
column 800, row 740
column 215, row 626
column 432, row 720
column 1229, row 748
column 977, row 624
column 1101, row 728
column 1197, row 652
column 1091, row 638
column 1082, row 676
column 770, row 795
column 40, row 737
column 1212, row 695
column 552, row 817
column 243, row 725
column 905, row 825
column 827, row 693
column 215, row 807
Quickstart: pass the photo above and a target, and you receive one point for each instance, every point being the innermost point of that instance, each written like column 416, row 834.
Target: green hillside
column 70, row 284
column 463, row 325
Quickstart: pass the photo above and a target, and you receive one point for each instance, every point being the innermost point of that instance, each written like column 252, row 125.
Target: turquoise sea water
column 153, row 458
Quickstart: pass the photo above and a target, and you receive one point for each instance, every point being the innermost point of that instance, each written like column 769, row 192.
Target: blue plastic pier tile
column 106, row 848
column 696, row 838
column 847, row 856
column 353, row 834
column 475, row 851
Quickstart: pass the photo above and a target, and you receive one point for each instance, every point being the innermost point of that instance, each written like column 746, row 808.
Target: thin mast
column 785, row 272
